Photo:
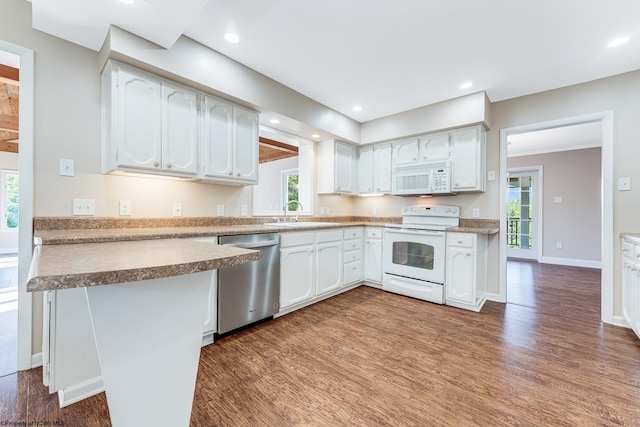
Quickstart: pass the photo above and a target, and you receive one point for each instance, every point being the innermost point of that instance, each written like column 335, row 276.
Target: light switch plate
column 220, row 210
column 624, row 184
column 476, row 212
column 243, row 210
column 491, row 176
column 84, row 207
column 67, row 167
column 177, row 209
column 557, row 199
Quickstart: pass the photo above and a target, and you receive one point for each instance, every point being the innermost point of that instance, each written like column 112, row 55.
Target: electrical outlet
column 557, row 199
column 177, row 209
column 220, row 210
column 624, row 184
column 84, row 207
column 323, row 210
column 476, row 212
column 67, row 167
column 243, row 210
column 558, row 245
column 491, row 176
column 374, row 211
column 125, row 207
column 327, row 210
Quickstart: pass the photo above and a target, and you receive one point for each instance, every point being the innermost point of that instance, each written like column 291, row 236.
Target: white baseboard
column 619, row 321
column 4, row 251
column 572, row 262
column 373, row 284
column 80, row 391
column 36, row 360
column 489, row 296
column 314, row 300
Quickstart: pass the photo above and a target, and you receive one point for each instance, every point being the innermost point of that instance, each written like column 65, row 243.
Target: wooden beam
column 9, row 147
column 8, row 123
column 9, row 75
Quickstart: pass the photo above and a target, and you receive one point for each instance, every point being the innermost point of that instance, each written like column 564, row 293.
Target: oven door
column 416, row 254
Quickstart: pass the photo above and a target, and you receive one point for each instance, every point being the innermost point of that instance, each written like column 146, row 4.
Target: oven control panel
column 433, row 211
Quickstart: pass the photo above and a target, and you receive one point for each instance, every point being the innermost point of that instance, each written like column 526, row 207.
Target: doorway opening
column 524, row 216
column 553, row 246
column 9, row 212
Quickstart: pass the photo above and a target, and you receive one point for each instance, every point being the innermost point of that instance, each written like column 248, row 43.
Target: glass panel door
column 521, row 221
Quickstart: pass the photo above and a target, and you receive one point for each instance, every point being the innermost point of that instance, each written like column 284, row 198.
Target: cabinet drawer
column 352, row 233
column 352, row 245
column 466, row 240
column 352, row 272
column 350, row 256
column 328, row 236
column 374, row 232
column 296, row 239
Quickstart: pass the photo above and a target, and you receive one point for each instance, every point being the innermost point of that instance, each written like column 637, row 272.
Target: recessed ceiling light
column 315, row 135
column 618, row 41
column 466, row 85
column 126, row 1
column 357, row 108
column 274, row 121
column 232, row 37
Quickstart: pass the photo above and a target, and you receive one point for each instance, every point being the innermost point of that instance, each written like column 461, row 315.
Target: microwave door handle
column 414, row 232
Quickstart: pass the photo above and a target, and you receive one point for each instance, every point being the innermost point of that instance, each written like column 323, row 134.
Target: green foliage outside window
column 11, row 197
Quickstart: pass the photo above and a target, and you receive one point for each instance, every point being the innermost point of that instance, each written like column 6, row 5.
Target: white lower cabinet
column 373, row 255
column 328, row 261
column 297, row 268
column 466, row 273
column 631, row 284
column 315, row 265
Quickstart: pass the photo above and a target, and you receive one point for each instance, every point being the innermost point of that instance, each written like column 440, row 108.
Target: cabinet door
column 460, row 282
column 179, row 129
column 138, row 122
column 434, row 147
column 406, row 152
column 328, row 267
column 365, row 170
column 246, row 145
column 218, row 138
column 467, row 160
column 296, row 275
column 373, row 260
column 382, row 168
column 345, row 172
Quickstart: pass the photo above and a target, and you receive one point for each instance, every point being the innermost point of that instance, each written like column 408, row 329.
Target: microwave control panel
column 441, row 180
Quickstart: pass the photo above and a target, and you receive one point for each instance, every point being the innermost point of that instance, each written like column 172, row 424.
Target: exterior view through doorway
column 524, row 219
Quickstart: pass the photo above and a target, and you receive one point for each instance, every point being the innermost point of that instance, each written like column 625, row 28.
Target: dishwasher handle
column 253, row 245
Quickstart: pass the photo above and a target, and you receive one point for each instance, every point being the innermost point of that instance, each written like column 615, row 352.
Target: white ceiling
column 386, row 56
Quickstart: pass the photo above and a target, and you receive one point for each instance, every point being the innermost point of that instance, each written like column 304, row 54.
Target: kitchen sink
column 300, row 224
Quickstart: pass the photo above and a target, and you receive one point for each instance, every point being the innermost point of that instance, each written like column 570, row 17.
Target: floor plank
column 370, row 358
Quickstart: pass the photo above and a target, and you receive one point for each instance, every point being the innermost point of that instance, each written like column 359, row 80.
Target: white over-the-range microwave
column 425, row 178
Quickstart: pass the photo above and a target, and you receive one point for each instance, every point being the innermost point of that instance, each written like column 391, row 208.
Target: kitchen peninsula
column 148, row 305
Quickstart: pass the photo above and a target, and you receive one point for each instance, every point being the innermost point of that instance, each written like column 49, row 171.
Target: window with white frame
column 9, row 202
column 290, row 189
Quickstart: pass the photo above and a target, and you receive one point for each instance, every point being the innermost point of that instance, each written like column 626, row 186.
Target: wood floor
column 369, row 358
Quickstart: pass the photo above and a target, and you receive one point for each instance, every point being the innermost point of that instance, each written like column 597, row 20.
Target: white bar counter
column 148, row 305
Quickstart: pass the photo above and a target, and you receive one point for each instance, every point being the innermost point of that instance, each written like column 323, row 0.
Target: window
column 290, row 189
column 9, row 200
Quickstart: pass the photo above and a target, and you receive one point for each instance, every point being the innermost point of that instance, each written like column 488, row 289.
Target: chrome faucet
column 286, row 207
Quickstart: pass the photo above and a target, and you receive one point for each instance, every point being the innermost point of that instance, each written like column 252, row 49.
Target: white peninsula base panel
column 148, row 336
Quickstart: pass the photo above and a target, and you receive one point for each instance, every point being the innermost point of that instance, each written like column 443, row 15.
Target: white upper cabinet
column 374, row 169
column 230, row 142
column 137, row 115
column 434, row 147
column 179, row 129
column 336, row 168
column 406, row 152
column 468, row 159
column 153, row 125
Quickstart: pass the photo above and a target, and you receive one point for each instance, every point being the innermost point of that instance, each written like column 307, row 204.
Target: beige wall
column 576, row 222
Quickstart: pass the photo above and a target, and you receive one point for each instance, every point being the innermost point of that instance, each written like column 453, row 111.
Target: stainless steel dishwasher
column 249, row 292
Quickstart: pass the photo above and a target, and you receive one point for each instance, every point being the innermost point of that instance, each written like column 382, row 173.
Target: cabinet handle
column 230, row 173
column 354, row 245
column 378, row 189
column 353, row 268
column 368, row 189
column 456, row 185
column 156, row 164
column 459, row 242
column 238, row 173
column 415, row 158
column 467, row 254
column 169, row 165
column 625, row 250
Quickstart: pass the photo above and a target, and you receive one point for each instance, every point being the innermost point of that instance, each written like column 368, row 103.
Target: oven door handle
column 415, row 232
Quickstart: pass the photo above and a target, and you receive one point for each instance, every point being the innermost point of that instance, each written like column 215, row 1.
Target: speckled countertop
column 77, row 252
column 92, row 264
